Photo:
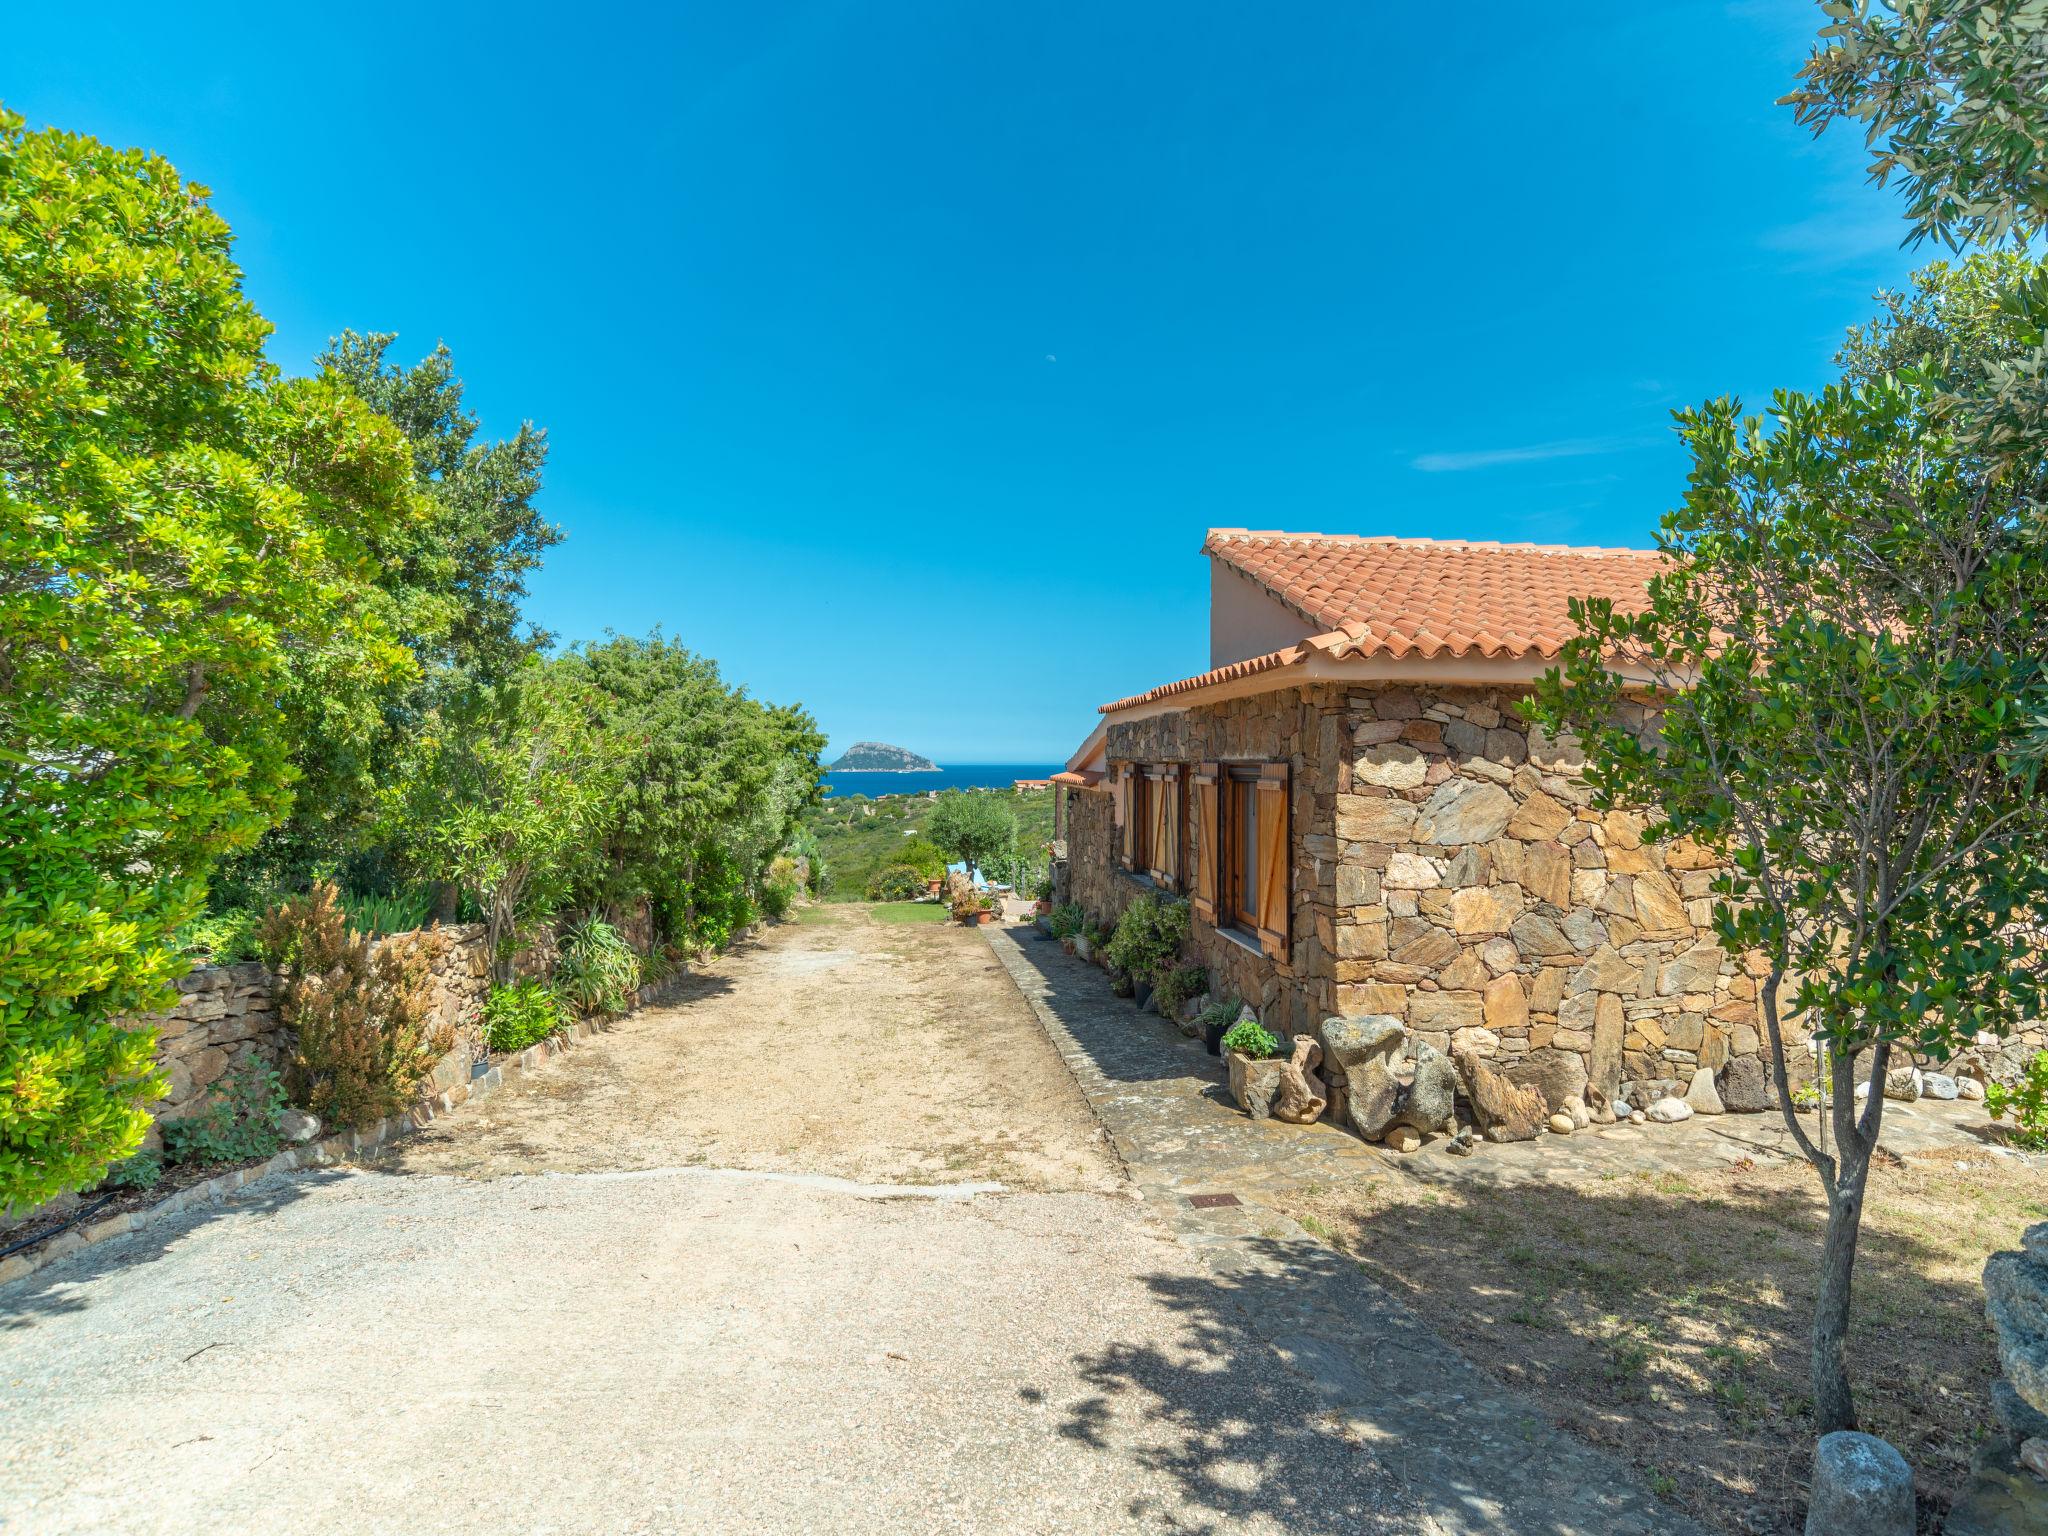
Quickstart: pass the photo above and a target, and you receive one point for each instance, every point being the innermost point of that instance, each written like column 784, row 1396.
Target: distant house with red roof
column 1364, row 824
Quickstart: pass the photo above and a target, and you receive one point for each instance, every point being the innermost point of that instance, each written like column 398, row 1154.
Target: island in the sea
column 880, row 757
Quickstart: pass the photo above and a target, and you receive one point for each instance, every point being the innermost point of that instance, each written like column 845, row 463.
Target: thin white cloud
column 1529, row 453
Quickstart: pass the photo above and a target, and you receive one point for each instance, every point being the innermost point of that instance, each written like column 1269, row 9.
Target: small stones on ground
column 1581, row 1116
column 1561, row 1125
column 1460, row 1145
column 1969, row 1088
column 1670, row 1111
column 1861, row 1487
column 1637, row 1117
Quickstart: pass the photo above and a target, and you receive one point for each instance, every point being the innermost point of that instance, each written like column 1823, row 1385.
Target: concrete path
column 828, row 1324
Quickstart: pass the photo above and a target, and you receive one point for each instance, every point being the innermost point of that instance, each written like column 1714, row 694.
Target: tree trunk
column 1834, row 1407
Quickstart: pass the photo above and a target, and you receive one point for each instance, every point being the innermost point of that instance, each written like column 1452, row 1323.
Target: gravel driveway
column 739, row 1267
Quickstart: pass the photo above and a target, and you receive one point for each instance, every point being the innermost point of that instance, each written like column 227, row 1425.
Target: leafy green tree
column 976, row 829
column 714, row 782
column 1844, row 653
column 1952, row 97
column 181, row 532
column 449, row 585
column 516, row 808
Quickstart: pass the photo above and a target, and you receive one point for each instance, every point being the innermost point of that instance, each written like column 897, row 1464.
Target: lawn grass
column 909, row 911
column 1665, row 1318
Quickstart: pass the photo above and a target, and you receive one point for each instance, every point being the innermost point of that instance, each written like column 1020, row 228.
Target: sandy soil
column 838, row 1045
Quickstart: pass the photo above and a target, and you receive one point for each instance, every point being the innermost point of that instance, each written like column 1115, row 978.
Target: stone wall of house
column 1303, row 728
column 1490, row 907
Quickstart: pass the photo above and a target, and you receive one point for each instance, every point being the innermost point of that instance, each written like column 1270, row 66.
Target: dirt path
column 839, row 1045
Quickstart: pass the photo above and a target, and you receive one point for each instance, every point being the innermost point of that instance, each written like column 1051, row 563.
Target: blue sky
column 898, row 355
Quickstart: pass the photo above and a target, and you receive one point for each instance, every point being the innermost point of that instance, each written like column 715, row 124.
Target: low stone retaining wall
column 451, row 1085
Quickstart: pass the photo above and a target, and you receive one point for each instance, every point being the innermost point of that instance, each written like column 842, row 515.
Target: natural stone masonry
column 1480, row 1458
column 1449, row 872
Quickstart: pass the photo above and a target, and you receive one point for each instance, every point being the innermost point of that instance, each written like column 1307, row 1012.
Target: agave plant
column 597, row 970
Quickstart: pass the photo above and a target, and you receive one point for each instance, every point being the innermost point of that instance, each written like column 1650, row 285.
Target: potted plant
column 1255, row 1057
column 1043, row 903
column 1213, row 1022
column 1148, row 940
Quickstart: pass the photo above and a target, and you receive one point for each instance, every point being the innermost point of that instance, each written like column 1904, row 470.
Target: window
column 1239, row 860
column 1151, row 833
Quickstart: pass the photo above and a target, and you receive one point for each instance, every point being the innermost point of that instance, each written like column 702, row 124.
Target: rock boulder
column 1504, row 1110
column 1861, row 1487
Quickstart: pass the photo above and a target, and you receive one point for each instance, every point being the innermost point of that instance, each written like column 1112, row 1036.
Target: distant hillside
column 880, row 757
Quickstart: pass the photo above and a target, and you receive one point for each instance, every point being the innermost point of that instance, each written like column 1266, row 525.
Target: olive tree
column 976, row 829
column 1831, row 685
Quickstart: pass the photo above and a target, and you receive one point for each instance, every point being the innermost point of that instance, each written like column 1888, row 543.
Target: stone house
column 1364, row 824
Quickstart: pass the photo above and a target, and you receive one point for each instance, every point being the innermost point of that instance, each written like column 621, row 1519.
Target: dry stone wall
column 224, row 1016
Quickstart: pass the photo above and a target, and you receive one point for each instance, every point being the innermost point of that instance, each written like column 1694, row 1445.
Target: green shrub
column 223, row 937
column 2026, row 1101
column 898, row 882
column 1067, row 920
column 523, row 1014
column 238, row 1125
column 1043, row 890
column 1219, row 1014
column 1248, row 1037
column 142, row 1171
column 778, row 897
column 397, row 912
column 1177, row 986
column 597, row 971
column 1148, row 937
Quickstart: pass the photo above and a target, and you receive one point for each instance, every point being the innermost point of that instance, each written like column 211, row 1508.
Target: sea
column 956, row 776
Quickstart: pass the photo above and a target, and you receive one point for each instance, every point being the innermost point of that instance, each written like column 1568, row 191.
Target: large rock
column 1504, row 1110
column 1902, row 1083
column 1603, row 1065
column 1861, row 1487
column 1559, row 1076
column 1671, row 1110
column 1300, row 1100
column 1430, row 1101
column 1254, row 1083
column 1702, row 1095
column 1745, row 1086
column 2016, row 1302
column 1363, row 1048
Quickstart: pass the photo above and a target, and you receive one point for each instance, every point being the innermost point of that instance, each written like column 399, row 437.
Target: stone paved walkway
column 1479, row 1458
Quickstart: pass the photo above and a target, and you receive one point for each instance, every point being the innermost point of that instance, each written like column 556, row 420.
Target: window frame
column 1237, row 805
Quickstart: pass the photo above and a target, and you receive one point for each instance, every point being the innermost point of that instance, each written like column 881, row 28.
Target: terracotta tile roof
column 1427, row 599
column 1267, row 663
column 1433, row 597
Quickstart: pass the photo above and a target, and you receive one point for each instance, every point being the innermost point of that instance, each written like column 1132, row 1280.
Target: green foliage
column 597, row 971
column 1067, row 919
column 518, row 803
column 522, row 1014
column 1176, row 986
column 1952, row 97
column 1219, row 1015
column 974, row 828
column 898, row 882
column 1148, row 937
column 394, row 912
column 182, row 534
column 1043, row 890
column 238, row 1125
column 145, row 1170
column 360, row 1011
column 859, row 837
column 924, row 856
column 2026, row 1101
column 223, row 937
column 713, row 784
column 1248, row 1037
column 778, row 897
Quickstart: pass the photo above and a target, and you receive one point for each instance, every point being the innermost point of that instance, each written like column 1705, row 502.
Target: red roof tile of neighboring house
column 1417, row 598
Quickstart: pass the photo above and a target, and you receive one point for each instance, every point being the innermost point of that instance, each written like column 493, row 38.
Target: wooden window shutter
column 1202, row 840
column 1276, row 861
column 1127, row 815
